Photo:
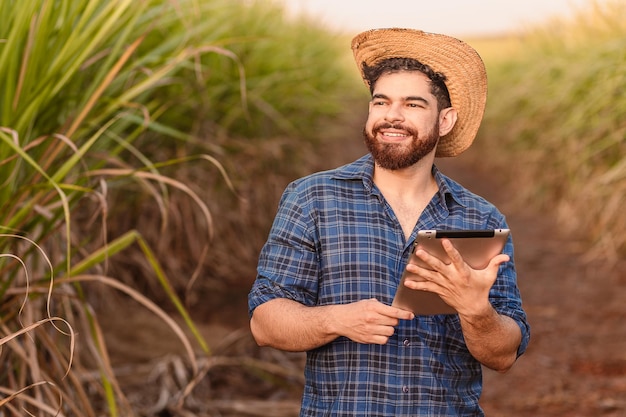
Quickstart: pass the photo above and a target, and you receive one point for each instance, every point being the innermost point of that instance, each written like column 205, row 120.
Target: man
column 341, row 239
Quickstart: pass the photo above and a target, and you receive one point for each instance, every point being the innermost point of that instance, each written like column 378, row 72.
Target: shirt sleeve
column 288, row 263
column 506, row 298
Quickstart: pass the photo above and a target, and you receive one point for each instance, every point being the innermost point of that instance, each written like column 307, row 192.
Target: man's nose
column 394, row 114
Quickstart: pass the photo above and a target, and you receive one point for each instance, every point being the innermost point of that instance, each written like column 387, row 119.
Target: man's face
column 403, row 122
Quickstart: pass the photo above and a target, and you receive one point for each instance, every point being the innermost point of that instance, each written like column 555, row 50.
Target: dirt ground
column 575, row 364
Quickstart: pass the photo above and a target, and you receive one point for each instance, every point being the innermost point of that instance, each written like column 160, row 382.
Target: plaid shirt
column 335, row 240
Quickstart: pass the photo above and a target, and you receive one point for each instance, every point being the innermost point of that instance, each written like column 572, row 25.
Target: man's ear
column 447, row 120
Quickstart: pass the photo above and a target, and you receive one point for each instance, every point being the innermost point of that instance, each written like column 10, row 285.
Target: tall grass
column 556, row 114
column 118, row 119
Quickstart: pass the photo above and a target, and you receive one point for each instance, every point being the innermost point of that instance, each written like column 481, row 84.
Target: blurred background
column 457, row 18
column 144, row 146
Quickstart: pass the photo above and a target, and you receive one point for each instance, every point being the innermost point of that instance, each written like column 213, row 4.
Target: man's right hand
column 367, row 321
column 288, row 325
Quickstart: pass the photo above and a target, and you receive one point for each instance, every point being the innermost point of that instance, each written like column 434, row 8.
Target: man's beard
column 394, row 156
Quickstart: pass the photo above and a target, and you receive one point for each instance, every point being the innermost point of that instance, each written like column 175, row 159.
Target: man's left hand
column 462, row 287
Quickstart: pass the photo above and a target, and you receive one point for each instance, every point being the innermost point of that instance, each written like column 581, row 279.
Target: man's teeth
column 396, row 135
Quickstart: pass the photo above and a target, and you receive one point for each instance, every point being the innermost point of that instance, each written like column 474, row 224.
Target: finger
column 433, row 272
column 378, row 340
column 404, row 314
column 381, row 334
column 416, row 271
column 396, row 313
column 422, row 286
column 386, row 331
column 453, row 253
column 432, row 262
column 383, row 310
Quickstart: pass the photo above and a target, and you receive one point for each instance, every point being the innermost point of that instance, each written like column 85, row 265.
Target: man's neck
column 407, row 191
column 413, row 183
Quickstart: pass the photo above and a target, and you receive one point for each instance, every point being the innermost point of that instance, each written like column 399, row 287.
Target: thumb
column 498, row 260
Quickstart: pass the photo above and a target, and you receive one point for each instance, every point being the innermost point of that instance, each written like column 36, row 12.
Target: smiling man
column 341, row 239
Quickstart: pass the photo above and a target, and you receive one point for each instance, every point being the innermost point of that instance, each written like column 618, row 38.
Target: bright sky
column 452, row 17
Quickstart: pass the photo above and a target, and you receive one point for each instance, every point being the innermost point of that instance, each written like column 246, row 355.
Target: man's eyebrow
column 416, row 98
column 408, row 98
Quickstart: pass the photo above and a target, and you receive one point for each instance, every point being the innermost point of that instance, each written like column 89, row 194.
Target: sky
column 451, row 17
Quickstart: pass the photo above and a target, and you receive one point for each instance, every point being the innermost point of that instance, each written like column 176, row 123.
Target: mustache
column 387, row 125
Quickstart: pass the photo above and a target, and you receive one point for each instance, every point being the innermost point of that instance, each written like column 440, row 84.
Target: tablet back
column 476, row 246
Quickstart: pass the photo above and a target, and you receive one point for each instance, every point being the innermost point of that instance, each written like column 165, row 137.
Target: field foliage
column 556, row 122
column 121, row 126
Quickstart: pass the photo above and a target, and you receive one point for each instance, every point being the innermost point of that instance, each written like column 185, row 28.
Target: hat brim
column 466, row 77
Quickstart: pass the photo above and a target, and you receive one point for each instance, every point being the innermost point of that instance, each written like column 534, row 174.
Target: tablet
column 477, row 247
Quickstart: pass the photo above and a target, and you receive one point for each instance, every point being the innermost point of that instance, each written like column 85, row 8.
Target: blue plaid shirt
column 335, row 240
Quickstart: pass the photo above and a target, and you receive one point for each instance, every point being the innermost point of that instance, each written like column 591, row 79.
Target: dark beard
column 394, row 156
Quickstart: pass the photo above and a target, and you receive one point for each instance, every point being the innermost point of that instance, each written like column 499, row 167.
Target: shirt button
column 406, row 342
column 405, row 389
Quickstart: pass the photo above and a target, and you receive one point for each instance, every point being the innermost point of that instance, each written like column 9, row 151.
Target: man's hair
column 391, row 65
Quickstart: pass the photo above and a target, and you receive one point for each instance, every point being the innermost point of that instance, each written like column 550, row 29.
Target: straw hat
column 466, row 77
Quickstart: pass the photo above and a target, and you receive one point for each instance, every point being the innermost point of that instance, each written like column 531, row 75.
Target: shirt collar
column 363, row 169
